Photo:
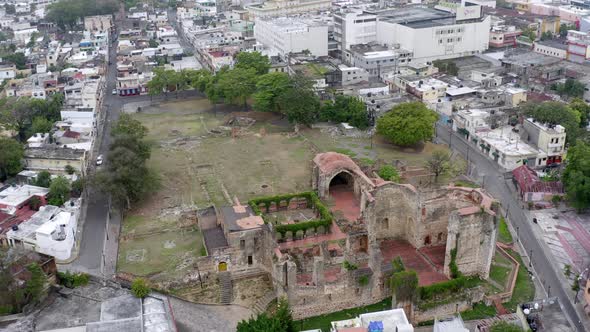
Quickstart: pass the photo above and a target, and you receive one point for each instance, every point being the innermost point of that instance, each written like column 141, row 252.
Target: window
column 249, row 260
column 242, row 244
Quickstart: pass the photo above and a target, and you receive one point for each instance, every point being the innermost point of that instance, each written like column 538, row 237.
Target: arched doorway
column 344, row 198
column 222, row 266
column 342, row 181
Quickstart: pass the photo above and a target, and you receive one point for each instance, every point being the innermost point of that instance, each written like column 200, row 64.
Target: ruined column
column 318, row 271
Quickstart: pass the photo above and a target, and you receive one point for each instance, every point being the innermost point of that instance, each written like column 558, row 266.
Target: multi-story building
column 275, row 8
column 550, row 139
column 578, row 46
column 376, row 59
column 353, row 27
column 286, row 35
column 503, row 36
column 98, row 23
column 431, row 34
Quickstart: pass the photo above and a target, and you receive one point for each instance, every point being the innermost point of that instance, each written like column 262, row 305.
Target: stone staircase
column 263, row 302
column 250, row 273
column 225, row 284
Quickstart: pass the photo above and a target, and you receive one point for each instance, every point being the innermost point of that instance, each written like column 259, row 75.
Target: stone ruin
column 349, row 264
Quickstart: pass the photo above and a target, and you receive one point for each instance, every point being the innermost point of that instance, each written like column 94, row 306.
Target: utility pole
column 531, row 258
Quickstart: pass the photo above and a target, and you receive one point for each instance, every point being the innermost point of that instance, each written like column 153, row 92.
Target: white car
column 114, row 92
column 99, row 160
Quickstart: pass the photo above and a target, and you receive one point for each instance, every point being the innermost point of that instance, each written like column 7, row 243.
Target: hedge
column 447, row 287
column 312, row 200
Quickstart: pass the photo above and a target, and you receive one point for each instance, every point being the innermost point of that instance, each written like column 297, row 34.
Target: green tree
column 40, row 125
column 35, row 286
column 43, row 179
column 389, row 173
column 583, row 109
column 77, row 187
column 69, row 169
column 18, row 59
column 576, row 177
column 59, row 191
column 446, row 66
column 407, row 124
column 237, row 85
column 153, row 43
column 11, row 155
column 34, row 203
column 571, row 88
column 439, row 162
column 268, row 89
column 504, row 326
column 546, row 35
column 140, row 288
column 529, row 33
column 127, row 125
column 253, row 60
column 555, row 113
column 280, row 321
column 346, row 109
column 564, row 28
column 299, row 103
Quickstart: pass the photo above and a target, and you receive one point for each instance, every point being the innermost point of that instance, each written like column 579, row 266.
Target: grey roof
column 413, row 15
column 54, row 152
column 230, row 217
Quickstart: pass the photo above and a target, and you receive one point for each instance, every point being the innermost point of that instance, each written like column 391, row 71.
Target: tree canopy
column 126, row 177
column 439, row 162
column 59, row 191
column 576, row 177
column 66, row 13
column 407, row 124
column 11, row 155
column 20, row 114
column 280, row 321
column 346, row 109
column 268, row 89
column 253, row 60
column 43, row 179
column 571, row 88
column 300, row 103
column 389, row 173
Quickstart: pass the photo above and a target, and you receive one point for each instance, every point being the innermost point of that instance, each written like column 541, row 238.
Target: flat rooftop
column 413, row 14
column 14, row 196
column 27, row 229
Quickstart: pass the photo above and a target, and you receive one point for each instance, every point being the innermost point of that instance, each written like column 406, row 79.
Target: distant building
column 54, row 159
column 286, row 35
column 552, row 48
column 275, row 8
column 394, row 320
column 376, row 59
column 550, row 139
column 504, row 36
column 353, row 27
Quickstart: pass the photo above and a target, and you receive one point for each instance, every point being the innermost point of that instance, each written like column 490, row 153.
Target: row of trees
column 126, row 177
column 249, row 80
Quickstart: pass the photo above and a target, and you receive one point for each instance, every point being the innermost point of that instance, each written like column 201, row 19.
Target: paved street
column 493, row 181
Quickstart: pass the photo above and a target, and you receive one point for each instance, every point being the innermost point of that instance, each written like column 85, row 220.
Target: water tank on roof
column 15, row 228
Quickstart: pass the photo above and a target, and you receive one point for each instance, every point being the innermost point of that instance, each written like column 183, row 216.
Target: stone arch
column 342, row 179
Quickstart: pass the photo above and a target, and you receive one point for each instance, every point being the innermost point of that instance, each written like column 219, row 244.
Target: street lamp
column 531, row 259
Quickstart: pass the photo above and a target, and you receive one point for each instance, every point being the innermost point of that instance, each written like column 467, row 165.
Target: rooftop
column 15, row 196
column 54, row 152
column 27, row 229
column 508, row 142
column 240, row 217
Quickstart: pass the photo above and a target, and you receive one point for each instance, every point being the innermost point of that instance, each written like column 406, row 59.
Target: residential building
column 353, row 75
column 550, row 139
column 505, row 146
column 15, row 199
column 54, row 159
column 275, row 8
column 50, row 231
column 534, row 189
column 431, row 34
column 7, row 72
column 24, row 36
column 427, row 90
column 353, row 26
column 504, row 36
column 286, row 35
column 552, row 48
column 376, row 59
column 578, row 46
column 471, row 121
column 98, row 23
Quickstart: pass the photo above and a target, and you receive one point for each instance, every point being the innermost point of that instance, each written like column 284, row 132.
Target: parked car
column 114, row 92
column 99, row 160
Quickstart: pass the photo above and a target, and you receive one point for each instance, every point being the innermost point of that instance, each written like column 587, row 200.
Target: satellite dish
column 536, row 306
column 527, row 311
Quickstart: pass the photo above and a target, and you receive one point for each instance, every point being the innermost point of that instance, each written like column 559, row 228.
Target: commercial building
column 431, row 34
column 550, row 139
column 353, row 27
column 286, row 35
column 552, row 48
column 275, row 8
column 376, row 59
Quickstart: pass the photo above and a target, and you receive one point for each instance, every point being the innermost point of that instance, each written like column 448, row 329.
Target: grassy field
column 524, row 290
column 503, row 232
column 499, row 274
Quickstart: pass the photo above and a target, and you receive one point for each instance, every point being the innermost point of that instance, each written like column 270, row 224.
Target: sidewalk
column 111, row 245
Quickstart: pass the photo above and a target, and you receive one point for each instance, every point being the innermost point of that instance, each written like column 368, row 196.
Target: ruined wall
column 474, row 236
column 392, row 213
column 463, row 303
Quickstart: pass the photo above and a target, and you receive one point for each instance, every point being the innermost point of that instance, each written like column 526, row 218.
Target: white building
column 432, row 34
column 13, row 199
column 353, row 27
column 394, row 320
column 50, row 231
column 24, row 36
column 506, row 148
column 353, row 75
column 275, row 8
column 292, row 35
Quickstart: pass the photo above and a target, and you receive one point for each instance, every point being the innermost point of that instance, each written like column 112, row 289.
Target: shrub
column 389, row 173
column 73, row 280
column 35, row 203
column 69, row 169
column 363, row 280
column 455, row 273
column 349, row 266
column 447, row 287
column 139, row 288
column 398, row 265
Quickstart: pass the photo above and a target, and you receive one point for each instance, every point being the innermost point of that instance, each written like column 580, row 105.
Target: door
column 222, row 267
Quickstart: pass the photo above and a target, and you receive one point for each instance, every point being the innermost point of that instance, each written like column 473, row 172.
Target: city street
column 492, row 179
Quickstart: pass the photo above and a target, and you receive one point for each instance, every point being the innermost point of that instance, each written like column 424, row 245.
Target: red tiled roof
column 528, row 181
column 71, row 134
